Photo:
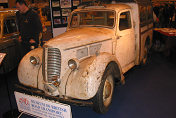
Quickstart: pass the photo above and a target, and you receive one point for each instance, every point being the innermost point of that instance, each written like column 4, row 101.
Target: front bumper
column 36, row 92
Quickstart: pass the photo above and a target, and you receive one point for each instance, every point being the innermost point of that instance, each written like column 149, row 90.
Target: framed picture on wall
column 57, row 21
column 65, row 3
column 55, row 4
column 56, row 13
column 64, row 20
column 66, row 12
column 76, row 2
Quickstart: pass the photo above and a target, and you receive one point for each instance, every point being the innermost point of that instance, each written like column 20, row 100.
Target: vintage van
column 81, row 66
column 8, row 40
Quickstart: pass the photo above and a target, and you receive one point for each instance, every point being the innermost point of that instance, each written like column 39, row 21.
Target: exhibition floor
column 149, row 92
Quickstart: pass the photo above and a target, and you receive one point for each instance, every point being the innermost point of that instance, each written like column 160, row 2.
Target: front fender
column 84, row 82
column 27, row 72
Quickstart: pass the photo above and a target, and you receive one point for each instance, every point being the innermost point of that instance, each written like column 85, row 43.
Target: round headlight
column 34, row 60
column 73, row 64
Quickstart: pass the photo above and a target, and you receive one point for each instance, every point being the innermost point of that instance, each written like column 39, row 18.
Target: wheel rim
column 108, row 90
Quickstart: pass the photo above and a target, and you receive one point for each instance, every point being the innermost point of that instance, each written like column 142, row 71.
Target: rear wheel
column 146, row 54
column 103, row 98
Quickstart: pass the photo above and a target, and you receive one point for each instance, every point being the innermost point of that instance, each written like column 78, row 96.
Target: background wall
column 3, row 1
column 163, row 0
column 11, row 3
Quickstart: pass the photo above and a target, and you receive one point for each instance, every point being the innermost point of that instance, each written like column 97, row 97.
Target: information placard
column 40, row 107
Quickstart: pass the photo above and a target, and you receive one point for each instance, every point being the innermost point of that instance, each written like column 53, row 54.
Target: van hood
column 80, row 37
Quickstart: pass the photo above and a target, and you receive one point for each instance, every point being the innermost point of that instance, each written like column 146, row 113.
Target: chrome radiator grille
column 51, row 64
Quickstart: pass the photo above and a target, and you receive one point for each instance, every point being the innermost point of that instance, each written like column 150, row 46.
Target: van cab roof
column 137, row 1
column 98, row 3
column 115, row 7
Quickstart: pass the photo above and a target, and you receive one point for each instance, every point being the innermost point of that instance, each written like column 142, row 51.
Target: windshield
column 93, row 18
column 10, row 25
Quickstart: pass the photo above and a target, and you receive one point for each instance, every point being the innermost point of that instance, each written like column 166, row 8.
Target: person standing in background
column 171, row 14
column 29, row 26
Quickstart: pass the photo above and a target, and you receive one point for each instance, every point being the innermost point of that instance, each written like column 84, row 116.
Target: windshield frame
column 88, row 10
column 9, row 18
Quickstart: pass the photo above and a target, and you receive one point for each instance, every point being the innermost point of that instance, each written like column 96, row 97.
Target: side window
column 150, row 12
column 143, row 14
column 125, row 21
column 10, row 26
column 74, row 22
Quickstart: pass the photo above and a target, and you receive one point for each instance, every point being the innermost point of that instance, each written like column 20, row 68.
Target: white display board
column 40, row 107
column 2, row 55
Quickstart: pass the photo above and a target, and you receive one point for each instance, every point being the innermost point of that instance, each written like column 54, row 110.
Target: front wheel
column 103, row 98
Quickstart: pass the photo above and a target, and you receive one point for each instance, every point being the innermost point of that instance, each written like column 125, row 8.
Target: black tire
column 103, row 98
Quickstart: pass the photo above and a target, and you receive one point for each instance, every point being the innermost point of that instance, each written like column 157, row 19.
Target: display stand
column 60, row 10
column 12, row 113
column 165, row 40
column 167, row 36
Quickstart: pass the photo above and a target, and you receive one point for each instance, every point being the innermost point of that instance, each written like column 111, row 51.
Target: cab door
column 125, row 41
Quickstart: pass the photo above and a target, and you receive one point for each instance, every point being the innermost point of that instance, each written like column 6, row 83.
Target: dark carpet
column 149, row 92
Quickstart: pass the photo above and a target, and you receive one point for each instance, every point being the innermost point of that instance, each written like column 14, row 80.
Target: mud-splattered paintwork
column 101, row 46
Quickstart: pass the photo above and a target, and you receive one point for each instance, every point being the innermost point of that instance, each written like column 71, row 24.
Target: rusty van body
column 81, row 65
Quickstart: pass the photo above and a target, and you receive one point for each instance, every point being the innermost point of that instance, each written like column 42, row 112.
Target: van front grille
column 51, row 64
